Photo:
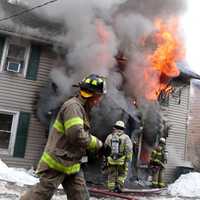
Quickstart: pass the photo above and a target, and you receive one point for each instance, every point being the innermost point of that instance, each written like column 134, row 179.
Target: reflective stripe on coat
column 69, row 139
column 125, row 149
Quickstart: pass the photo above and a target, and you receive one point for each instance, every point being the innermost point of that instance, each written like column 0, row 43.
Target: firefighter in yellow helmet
column 67, row 144
column 157, row 163
column 118, row 148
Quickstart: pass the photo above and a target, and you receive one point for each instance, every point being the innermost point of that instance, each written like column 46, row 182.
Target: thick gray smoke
column 93, row 32
column 154, row 8
column 133, row 21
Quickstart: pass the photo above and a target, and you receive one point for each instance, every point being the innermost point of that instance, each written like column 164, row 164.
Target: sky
column 191, row 28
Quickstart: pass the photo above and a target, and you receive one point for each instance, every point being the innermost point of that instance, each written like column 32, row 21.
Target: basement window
column 15, row 56
column 8, row 128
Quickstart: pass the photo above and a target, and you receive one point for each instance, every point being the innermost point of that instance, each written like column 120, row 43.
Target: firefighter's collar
column 82, row 100
column 118, row 132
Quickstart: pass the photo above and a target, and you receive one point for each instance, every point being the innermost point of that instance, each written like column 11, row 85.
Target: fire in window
column 6, row 121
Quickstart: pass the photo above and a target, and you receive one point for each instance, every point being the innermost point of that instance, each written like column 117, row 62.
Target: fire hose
column 111, row 194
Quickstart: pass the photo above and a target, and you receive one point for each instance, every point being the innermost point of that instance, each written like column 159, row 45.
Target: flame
column 103, row 55
column 102, row 32
column 162, row 62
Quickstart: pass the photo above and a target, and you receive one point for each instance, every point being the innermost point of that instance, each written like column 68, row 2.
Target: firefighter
column 119, row 147
column 157, row 163
column 67, row 144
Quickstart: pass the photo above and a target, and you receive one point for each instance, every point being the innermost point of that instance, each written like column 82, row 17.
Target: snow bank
column 187, row 185
column 18, row 176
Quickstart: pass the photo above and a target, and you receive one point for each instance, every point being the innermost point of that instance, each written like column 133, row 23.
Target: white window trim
column 13, row 134
column 5, row 53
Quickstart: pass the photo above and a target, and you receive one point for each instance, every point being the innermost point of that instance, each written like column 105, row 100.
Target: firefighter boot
column 117, row 189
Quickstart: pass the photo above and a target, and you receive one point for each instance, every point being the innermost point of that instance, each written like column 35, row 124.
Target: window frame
column 13, row 133
column 23, row 43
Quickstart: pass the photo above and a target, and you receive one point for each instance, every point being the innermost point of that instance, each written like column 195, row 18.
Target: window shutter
column 21, row 137
column 2, row 41
column 34, row 61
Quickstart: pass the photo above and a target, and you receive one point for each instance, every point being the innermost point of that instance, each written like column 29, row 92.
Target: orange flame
column 169, row 50
column 103, row 34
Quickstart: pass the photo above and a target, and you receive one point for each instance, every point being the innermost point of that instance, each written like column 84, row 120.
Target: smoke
column 134, row 22
column 53, row 94
column 115, row 106
column 129, row 29
column 93, row 32
column 1, row 11
column 94, row 50
column 154, row 8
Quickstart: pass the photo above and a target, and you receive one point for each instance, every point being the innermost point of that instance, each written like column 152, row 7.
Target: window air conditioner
column 13, row 67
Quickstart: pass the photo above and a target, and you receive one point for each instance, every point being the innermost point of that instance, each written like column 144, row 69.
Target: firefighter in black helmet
column 68, row 142
column 92, row 84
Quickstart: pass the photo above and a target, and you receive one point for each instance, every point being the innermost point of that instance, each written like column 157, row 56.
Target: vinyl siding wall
column 193, row 141
column 20, row 94
column 177, row 115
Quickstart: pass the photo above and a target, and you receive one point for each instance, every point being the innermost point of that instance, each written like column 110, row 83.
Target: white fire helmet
column 120, row 124
column 162, row 140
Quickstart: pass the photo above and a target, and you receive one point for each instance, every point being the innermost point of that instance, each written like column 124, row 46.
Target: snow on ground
column 18, row 176
column 12, row 180
column 187, row 185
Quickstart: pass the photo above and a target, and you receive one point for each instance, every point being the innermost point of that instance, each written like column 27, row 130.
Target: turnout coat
column 69, row 139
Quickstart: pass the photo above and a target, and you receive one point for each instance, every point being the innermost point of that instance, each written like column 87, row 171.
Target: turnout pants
column 116, row 176
column 157, row 177
column 74, row 186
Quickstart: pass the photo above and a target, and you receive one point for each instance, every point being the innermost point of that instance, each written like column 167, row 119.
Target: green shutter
column 2, row 42
column 34, row 61
column 21, row 137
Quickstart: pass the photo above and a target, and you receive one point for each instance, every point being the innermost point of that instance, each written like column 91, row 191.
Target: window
column 8, row 128
column 15, row 56
column 5, row 130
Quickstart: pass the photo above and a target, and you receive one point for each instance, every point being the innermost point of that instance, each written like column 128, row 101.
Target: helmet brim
column 85, row 94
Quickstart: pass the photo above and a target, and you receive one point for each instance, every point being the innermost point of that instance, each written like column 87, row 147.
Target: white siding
column 20, row 94
column 193, row 145
column 177, row 114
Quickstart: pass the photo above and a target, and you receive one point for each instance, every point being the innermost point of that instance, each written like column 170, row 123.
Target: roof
column 29, row 23
column 186, row 71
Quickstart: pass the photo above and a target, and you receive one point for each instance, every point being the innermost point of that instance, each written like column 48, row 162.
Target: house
column 193, row 137
column 26, row 58
column 181, row 110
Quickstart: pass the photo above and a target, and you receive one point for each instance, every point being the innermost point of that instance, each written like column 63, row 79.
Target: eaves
column 38, row 39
